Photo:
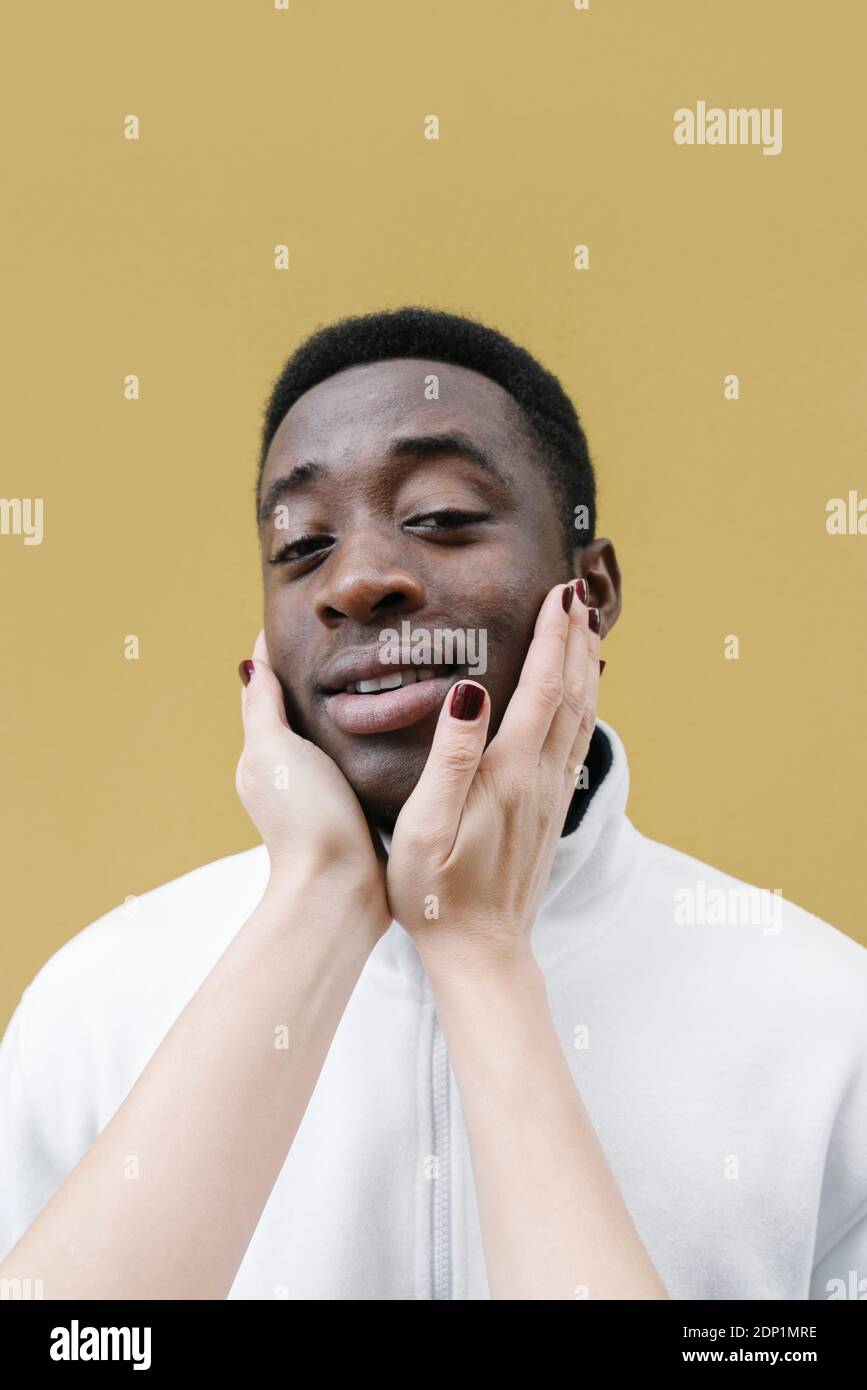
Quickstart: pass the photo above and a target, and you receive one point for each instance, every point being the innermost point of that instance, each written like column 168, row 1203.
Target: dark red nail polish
column 467, row 701
column 568, row 595
column 245, row 671
column 601, row 667
column 582, row 589
column 593, row 619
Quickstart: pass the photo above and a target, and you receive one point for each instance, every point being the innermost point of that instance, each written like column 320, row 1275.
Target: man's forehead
column 382, row 398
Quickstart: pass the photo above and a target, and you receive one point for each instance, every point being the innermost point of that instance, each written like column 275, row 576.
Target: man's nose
column 365, row 581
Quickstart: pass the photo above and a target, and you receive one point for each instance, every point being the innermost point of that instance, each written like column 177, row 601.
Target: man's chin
column 383, row 779
column 381, row 805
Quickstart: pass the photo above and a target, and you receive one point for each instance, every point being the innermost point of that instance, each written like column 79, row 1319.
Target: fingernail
column 582, row 589
column 467, row 701
column 568, row 595
column 245, row 671
column 601, row 667
column 593, row 619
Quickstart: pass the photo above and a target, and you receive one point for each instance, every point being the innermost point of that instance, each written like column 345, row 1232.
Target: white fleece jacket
column 721, row 1052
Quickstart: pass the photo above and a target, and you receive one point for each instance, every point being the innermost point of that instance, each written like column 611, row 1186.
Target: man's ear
column 597, row 563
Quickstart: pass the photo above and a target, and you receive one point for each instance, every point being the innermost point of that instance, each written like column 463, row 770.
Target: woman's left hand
column 473, row 845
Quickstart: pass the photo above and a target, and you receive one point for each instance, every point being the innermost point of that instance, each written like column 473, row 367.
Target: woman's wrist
column 318, row 897
column 458, row 974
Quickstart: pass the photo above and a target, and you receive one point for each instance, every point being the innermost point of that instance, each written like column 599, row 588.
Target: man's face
column 355, row 543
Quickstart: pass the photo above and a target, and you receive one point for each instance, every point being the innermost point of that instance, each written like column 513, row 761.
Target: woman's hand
column 303, row 807
column 475, row 842
column 216, row 1110
column 473, row 845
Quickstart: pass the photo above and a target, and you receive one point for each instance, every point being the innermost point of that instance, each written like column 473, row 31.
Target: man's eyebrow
column 411, row 446
column 288, row 482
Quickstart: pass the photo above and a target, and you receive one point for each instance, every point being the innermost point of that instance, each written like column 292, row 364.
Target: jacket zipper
column 442, row 1274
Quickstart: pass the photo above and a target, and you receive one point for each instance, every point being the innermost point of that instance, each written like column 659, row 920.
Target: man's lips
column 389, row 709
column 384, row 710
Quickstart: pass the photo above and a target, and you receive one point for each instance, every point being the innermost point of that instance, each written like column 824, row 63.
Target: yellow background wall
column 305, row 127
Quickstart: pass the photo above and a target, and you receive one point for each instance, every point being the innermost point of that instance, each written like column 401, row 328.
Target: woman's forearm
column 554, row 1224
column 165, row 1202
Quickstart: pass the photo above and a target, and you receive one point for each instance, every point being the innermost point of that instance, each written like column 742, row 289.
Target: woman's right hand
column 308, row 816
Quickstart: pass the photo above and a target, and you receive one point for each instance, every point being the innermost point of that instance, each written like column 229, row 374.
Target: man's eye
column 446, row 520
column 300, row 549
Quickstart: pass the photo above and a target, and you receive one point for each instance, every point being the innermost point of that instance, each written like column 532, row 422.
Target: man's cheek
column 294, row 704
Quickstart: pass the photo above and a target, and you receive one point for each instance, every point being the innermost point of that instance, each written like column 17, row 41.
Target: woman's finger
column 539, row 692
column 435, row 805
column 580, row 678
column 586, row 725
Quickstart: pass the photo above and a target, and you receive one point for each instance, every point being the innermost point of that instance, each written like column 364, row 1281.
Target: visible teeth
column 391, row 682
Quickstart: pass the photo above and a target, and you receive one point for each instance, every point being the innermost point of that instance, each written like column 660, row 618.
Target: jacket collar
column 590, row 864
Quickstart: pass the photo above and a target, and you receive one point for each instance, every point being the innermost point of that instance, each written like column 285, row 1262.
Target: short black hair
column 551, row 420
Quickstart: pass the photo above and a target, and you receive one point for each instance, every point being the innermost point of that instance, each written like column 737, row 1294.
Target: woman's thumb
column 263, row 709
